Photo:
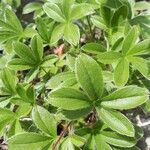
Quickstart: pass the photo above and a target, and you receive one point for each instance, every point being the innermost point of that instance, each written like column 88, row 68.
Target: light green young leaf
column 6, row 117
column 93, row 48
column 44, row 120
column 89, row 75
column 126, row 98
column 116, row 121
column 81, row 10
column 54, row 12
column 100, row 143
column 140, row 48
column 109, row 57
column 30, row 7
column 142, row 5
column 121, row 73
column 130, row 40
column 69, row 99
column 72, row 33
column 117, row 139
column 30, row 141
column 142, row 65
column 58, row 79
column 57, row 33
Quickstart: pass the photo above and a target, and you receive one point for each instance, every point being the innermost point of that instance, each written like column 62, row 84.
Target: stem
column 44, row 70
column 90, row 27
column 62, row 134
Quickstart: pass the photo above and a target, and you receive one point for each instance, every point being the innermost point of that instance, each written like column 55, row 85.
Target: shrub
column 69, row 77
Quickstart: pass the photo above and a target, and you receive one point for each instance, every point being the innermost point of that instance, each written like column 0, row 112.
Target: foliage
column 69, row 77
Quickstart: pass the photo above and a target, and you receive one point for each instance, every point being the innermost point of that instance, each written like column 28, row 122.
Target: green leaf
column 89, row 75
column 116, row 121
column 119, row 16
column 121, row 73
column 30, row 7
column 81, row 10
column 142, row 65
column 18, row 64
column 6, row 117
column 142, row 5
column 37, row 47
column 44, row 120
column 9, row 80
column 30, row 141
column 57, row 33
column 12, row 20
column 106, row 14
column 100, row 143
column 140, row 48
column 69, row 99
column 25, row 53
column 109, row 57
column 54, row 12
column 130, row 40
column 93, row 48
column 71, row 33
column 117, row 140
column 59, row 79
column 126, row 98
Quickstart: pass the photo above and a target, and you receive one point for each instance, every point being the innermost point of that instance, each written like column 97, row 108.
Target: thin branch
column 62, row 134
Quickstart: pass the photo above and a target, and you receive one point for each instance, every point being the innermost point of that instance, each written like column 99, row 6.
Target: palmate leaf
column 28, row 57
column 126, row 98
column 89, row 75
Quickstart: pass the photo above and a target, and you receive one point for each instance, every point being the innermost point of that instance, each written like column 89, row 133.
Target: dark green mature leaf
column 130, row 40
column 116, row 121
column 117, row 140
column 54, row 12
column 89, row 75
column 126, row 98
column 30, row 141
column 37, row 47
column 109, row 57
column 93, row 48
column 9, row 80
column 142, row 65
column 69, row 99
column 119, row 16
column 44, row 120
column 121, row 73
